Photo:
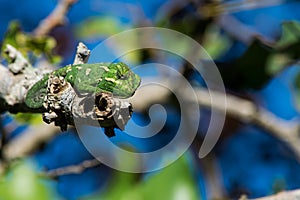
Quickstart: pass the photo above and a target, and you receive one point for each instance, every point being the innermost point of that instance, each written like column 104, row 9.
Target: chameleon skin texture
column 116, row 78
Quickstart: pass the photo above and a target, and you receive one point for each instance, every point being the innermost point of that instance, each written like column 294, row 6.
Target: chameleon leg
column 109, row 131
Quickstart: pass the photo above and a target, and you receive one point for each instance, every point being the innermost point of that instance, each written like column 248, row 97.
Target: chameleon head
column 120, row 80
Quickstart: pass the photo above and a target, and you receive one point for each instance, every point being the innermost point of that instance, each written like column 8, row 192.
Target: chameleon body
column 116, row 78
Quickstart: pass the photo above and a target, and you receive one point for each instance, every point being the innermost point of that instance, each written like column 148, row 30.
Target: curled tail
column 36, row 94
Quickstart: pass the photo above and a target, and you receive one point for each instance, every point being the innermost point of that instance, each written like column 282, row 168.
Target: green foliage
column 26, row 43
column 173, row 182
column 29, row 118
column 290, row 38
column 214, row 42
column 252, row 63
column 296, row 92
column 290, row 45
column 95, row 27
column 189, row 24
column 22, row 182
column 263, row 60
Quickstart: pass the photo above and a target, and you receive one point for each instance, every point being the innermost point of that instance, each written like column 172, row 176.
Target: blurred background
column 255, row 45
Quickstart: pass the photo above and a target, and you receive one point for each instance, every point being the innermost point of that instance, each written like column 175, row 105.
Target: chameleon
column 115, row 78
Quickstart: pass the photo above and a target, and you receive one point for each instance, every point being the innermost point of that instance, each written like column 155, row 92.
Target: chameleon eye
column 122, row 76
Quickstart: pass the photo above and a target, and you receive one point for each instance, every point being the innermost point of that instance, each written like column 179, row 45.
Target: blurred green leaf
column 22, row 182
column 214, row 42
column 98, row 27
column 30, row 118
column 248, row 71
column 290, row 35
column 290, row 44
column 173, row 182
column 27, row 43
column 188, row 23
column 262, row 60
column 296, row 92
column 105, row 26
column 276, row 63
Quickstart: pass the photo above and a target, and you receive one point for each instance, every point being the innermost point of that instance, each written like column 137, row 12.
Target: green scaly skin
column 116, row 78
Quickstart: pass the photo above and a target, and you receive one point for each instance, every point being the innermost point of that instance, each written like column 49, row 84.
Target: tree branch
column 285, row 195
column 107, row 111
column 27, row 142
column 247, row 112
column 82, row 54
column 246, row 34
column 55, row 18
column 16, row 80
column 72, row 169
column 240, row 109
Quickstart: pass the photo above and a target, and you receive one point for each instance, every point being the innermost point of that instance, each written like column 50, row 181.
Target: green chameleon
column 115, row 78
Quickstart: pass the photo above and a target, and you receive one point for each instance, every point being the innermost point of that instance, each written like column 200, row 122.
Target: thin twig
column 55, row 18
column 221, row 8
column 246, row 34
column 72, row 169
column 210, row 168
